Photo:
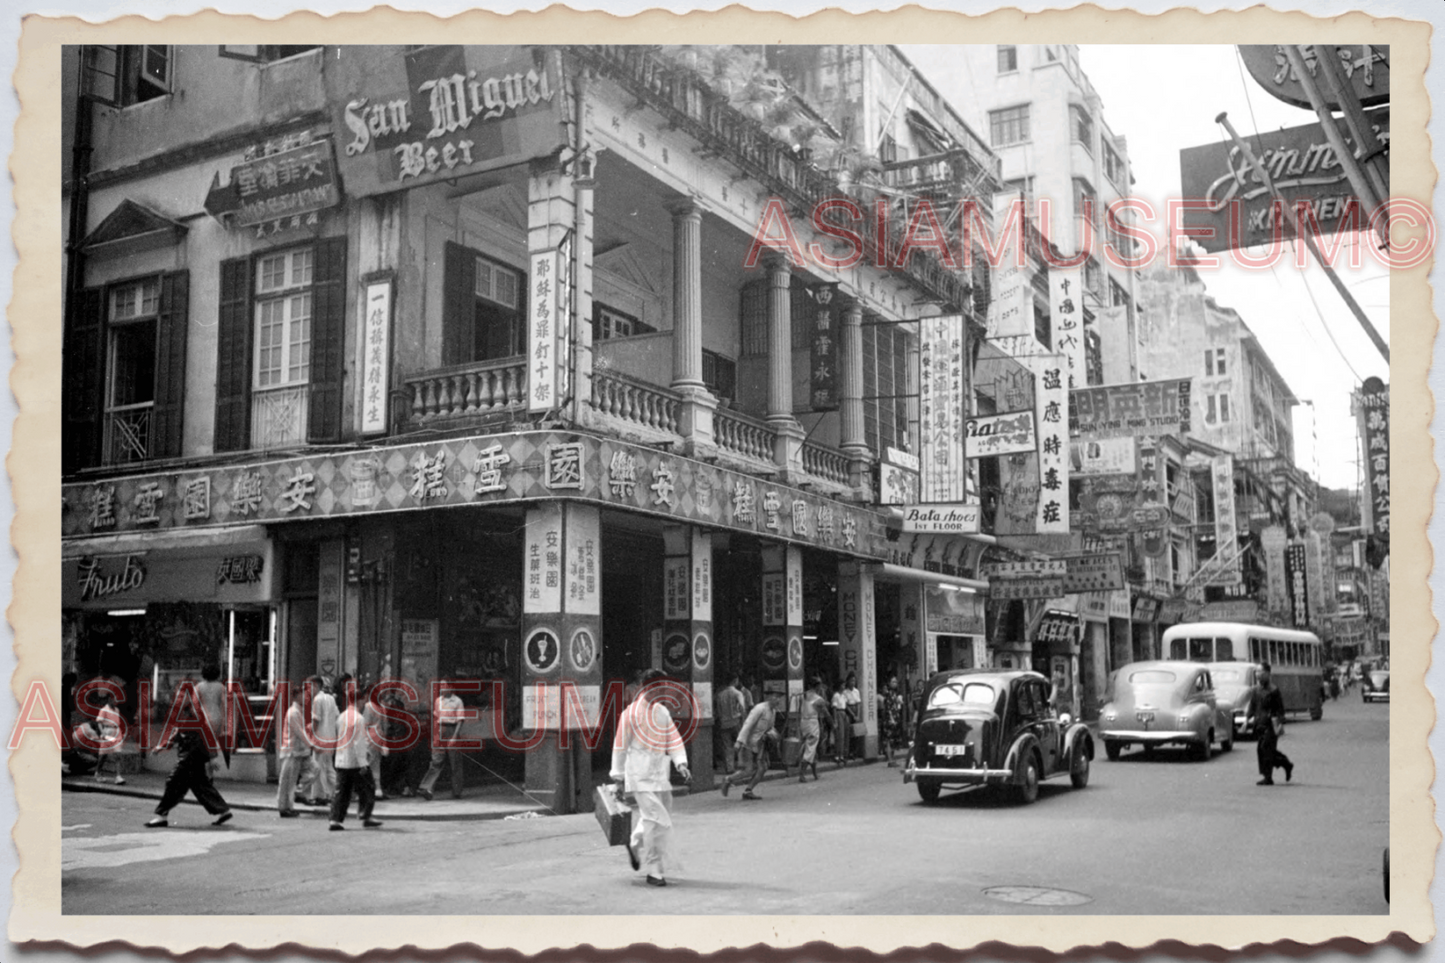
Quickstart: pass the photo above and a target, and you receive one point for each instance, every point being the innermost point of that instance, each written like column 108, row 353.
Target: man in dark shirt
column 1269, row 723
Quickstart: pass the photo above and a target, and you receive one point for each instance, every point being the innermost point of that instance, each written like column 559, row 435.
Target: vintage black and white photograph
column 803, row 479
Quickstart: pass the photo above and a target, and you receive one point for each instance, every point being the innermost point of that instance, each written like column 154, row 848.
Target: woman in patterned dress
column 890, row 718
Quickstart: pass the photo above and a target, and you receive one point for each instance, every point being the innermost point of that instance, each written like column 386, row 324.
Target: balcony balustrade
column 636, row 404
column 466, row 391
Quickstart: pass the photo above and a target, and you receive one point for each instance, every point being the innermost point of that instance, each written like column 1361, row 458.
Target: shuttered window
column 483, row 316
column 885, row 384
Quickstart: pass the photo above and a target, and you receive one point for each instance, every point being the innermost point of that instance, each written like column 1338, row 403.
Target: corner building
column 452, row 363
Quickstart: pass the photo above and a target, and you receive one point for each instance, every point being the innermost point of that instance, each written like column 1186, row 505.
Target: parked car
column 996, row 728
column 1155, row 704
column 1375, row 686
column 1235, row 684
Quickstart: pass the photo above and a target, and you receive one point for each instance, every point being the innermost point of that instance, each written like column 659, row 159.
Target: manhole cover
column 1036, row 896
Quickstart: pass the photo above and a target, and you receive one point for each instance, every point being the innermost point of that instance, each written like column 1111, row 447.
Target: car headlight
column 1183, row 719
column 1110, row 715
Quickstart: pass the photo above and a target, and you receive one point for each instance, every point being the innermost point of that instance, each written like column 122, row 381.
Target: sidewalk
column 489, row 801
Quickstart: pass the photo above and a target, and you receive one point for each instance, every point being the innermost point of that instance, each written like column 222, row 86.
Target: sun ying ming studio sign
column 443, row 112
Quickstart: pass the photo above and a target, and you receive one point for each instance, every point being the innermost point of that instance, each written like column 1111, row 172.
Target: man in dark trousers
column 190, row 775
column 1269, row 724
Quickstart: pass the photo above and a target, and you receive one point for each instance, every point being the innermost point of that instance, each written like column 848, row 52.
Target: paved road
column 1157, row 835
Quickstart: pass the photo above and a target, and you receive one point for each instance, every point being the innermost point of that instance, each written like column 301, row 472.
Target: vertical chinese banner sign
column 1224, row 567
column 375, row 355
column 823, row 360
column 941, row 399
column 544, row 316
column 1066, row 319
column 1051, row 414
column 1296, row 584
column 1374, row 417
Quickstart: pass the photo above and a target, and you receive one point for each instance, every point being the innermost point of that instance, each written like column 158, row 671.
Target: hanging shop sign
column 1093, row 573
column 1066, row 321
column 1058, row 628
column 1006, row 434
column 542, row 589
column 375, row 355
column 583, row 539
column 96, row 581
column 775, row 599
column 1051, row 409
column 442, row 112
column 1118, row 411
column 1366, row 68
column 898, row 478
column 546, row 320
column 943, row 519
column 1297, row 584
column 942, row 399
column 1374, row 418
column 238, row 573
column 823, row 356
column 1103, row 456
column 295, row 182
column 1011, row 310
column 1225, row 569
column 1146, row 608
column 514, row 468
column 943, row 553
column 1239, row 210
column 949, row 611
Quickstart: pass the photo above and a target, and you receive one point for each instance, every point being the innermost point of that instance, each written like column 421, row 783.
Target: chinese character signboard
column 441, row 112
column 545, row 333
column 942, row 397
column 898, row 478
column 1224, row 569
column 1297, row 584
column 290, row 183
column 823, row 362
column 542, row 567
column 1366, row 68
column 1104, row 456
column 584, row 572
column 375, row 355
column 1374, row 415
column 1117, row 411
column 1011, row 311
column 1066, row 320
column 1051, row 403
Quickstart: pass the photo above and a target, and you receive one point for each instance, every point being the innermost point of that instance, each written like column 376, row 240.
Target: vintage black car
column 997, row 728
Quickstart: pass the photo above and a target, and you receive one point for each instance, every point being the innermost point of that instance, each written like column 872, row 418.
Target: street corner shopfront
column 159, row 606
column 488, row 558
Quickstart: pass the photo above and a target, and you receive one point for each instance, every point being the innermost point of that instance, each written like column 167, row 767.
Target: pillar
column 858, row 633
column 788, row 447
column 698, row 404
column 561, row 650
column 853, row 440
column 688, row 637
column 782, row 652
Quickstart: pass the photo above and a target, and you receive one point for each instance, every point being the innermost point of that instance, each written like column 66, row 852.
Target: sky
column 1165, row 98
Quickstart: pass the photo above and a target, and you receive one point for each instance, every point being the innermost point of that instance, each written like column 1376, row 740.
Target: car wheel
column 1316, row 713
column 1027, row 788
column 1201, row 749
column 1079, row 768
column 928, row 791
column 1112, row 749
column 1228, row 744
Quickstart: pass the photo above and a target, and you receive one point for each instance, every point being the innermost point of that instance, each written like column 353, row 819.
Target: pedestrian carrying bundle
column 613, row 815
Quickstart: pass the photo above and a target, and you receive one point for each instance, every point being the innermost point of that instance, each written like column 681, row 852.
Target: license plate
column 1144, row 716
column 951, row 750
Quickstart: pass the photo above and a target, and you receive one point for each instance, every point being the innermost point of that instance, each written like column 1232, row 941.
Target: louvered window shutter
column 328, row 337
column 171, row 331
column 84, row 379
column 459, row 304
column 233, row 358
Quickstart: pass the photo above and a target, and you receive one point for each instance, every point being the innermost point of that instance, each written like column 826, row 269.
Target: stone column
column 782, row 653
column 687, row 649
column 698, row 404
column 561, row 650
column 858, row 632
column 850, row 398
column 788, row 449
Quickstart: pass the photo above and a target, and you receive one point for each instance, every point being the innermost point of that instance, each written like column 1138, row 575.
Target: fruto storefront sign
column 442, row 112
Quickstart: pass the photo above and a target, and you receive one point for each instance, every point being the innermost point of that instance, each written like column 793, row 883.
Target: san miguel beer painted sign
column 439, row 113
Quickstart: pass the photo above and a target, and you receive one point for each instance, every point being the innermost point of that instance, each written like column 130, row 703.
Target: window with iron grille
column 720, row 374
column 1081, row 126
column 1008, row 58
column 1009, row 126
column 754, row 309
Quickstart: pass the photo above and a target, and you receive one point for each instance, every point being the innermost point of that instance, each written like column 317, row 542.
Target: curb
column 241, row 806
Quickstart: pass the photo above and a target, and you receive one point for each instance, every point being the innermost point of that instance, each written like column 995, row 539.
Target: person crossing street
column 1270, row 725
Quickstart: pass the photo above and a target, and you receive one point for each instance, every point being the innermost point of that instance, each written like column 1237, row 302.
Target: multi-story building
column 490, row 364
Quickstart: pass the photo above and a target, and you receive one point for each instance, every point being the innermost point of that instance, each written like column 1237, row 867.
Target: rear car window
column 956, row 693
column 1148, row 676
column 1228, row 675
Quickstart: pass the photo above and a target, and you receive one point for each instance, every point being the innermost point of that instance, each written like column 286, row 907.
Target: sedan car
column 997, row 728
column 1155, row 704
column 1234, row 684
column 1375, row 686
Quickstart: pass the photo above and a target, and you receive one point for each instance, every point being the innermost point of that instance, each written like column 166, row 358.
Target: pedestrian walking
column 447, row 718
column 728, row 710
column 375, row 724
column 212, row 696
column 295, row 753
column 751, row 745
column 321, row 781
column 353, row 759
column 109, row 726
column 854, row 699
column 647, row 743
column 812, row 715
column 190, row 775
column 1269, row 724
column 890, row 721
column 842, row 727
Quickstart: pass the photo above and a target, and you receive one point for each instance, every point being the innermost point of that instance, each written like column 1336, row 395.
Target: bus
column 1296, row 658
